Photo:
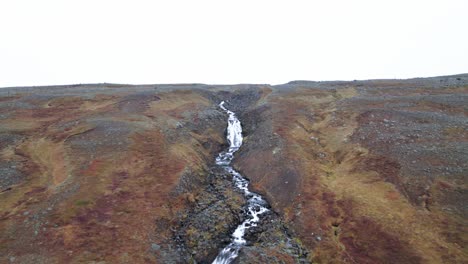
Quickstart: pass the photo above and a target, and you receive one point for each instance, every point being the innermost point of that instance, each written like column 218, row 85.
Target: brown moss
column 367, row 242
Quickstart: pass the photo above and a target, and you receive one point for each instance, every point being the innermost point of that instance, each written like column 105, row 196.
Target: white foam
column 255, row 203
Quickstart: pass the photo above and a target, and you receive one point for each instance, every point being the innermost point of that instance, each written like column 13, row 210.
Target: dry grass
column 338, row 198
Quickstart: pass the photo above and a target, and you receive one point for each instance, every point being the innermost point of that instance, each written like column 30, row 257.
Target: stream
column 255, row 205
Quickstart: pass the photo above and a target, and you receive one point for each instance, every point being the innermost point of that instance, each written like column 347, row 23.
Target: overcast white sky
column 257, row 41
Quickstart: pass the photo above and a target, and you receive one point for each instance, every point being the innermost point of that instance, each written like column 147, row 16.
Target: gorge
column 338, row 172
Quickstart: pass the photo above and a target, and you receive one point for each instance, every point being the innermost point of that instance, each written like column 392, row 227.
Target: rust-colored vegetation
column 97, row 174
column 346, row 191
column 360, row 172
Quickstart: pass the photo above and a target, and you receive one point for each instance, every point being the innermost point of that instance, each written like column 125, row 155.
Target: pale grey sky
column 257, row 41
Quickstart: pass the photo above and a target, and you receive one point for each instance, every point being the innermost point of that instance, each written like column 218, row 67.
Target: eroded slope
column 355, row 172
column 365, row 172
column 92, row 173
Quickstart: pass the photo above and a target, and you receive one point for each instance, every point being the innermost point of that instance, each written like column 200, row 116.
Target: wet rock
column 155, row 247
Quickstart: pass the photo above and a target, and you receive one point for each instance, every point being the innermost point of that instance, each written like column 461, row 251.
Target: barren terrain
column 355, row 172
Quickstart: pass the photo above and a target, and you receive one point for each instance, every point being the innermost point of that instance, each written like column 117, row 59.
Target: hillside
column 355, row 172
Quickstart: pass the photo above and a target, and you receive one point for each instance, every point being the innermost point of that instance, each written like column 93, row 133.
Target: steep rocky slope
column 366, row 172
column 355, row 172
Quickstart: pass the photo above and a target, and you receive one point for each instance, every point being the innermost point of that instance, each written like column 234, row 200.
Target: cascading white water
column 255, row 206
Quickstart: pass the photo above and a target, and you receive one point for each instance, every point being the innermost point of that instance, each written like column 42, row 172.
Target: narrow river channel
column 255, row 205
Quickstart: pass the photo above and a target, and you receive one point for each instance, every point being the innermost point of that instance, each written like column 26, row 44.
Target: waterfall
column 255, row 205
